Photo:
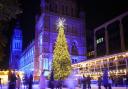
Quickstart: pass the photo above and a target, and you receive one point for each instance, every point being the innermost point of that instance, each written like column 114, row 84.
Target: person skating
column 12, row 80
column 18, row 82
column 99, row 82
column 42, row 83
column 51, row 81
column 105, row 79
column 30, row 81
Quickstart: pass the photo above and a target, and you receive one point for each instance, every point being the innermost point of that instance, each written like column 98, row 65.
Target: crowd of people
column 14, row 81
column 107, row 82
column 86, row 82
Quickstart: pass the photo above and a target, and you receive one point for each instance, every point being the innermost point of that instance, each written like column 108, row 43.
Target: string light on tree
column 61, row 64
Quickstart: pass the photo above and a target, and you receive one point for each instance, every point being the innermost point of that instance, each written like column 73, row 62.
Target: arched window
column 74, row 50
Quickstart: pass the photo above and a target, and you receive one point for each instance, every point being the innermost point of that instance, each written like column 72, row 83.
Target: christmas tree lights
column 61, row 59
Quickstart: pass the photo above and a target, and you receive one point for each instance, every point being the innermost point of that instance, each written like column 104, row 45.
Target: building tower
column 16, row 47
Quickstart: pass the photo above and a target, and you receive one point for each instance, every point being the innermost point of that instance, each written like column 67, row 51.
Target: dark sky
column 100, row 11
column 97, row 12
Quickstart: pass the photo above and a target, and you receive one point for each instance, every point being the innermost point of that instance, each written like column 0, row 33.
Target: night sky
column 97, row 12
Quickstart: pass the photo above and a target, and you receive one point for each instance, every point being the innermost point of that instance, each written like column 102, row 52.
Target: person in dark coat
column 51, row 81
column 84, row 81
column 12, row 80
column 25, row 81
column 18, row 82
column 110, row 83
column 99, row 82
column 105, row 78
column 89, row 82
column 0, row 83
column 60, row 83
column 116, row 79
column 30, row 82
column 9, row 78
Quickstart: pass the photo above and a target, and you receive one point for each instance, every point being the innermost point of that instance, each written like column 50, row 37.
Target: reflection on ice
column 70, row 81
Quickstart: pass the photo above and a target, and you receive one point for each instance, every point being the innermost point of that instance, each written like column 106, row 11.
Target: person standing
column 60, row 83
column 12, row 80
column 116, row 79
column 0, row 83
column 25, row 81
column 105, row 79
column 30, row 81
column 99, row 82
column 84, row 82
column 80, row 80
column 18, row 82
column 42, row 83
column 51, row 81
column 9, row 78
column 110, row 83
column 89, row 82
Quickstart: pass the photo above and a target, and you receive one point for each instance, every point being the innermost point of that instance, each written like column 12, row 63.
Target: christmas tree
column 61, row 59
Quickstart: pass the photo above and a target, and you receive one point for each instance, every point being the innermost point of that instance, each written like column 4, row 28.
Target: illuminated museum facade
column 38, row 55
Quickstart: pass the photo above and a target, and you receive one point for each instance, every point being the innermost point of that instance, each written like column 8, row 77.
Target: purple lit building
column 38, row 55
column 16, row 48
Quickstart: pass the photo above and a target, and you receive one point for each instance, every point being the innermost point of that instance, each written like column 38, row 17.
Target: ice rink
column 35, row 86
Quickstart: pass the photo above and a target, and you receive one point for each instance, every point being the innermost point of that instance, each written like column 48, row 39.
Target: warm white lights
column 60, row 23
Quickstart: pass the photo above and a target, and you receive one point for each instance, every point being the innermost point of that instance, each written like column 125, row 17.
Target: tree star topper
column 60, row 23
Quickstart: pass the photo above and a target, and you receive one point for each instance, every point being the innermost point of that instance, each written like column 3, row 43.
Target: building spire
column 16, row 46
